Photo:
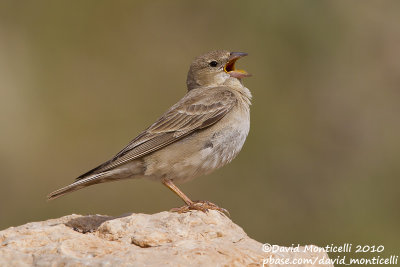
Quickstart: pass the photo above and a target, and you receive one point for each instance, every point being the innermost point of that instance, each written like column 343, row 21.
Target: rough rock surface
column 162, row 239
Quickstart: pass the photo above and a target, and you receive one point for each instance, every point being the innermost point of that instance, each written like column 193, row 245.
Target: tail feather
column 93, row 179
column 133, row 169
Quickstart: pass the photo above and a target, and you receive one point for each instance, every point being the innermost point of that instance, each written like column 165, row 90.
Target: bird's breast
column 203, row 151
column 227, row 141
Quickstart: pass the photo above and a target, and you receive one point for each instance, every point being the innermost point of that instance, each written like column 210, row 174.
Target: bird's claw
column 201, row 205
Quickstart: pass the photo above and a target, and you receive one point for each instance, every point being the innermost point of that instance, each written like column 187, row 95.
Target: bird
column 202, row 132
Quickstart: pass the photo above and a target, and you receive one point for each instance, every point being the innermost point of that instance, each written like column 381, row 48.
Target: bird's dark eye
column 213, row 63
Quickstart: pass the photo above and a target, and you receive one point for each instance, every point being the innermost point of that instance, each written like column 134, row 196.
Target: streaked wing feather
column 193, row 112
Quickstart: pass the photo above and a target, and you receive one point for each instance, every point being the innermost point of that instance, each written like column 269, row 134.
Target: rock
column 162, row 239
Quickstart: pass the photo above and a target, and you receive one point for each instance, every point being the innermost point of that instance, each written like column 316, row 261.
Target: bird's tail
column 90, row 180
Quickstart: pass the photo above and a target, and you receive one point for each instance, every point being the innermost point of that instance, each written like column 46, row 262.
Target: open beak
column 230, row 66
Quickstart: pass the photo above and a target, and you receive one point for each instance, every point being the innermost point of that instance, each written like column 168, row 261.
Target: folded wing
column 199, row 109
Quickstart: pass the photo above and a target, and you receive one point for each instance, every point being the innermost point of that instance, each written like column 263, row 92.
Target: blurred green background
column 80, row 79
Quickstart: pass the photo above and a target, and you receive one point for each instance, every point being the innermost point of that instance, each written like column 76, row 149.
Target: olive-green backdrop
column 321, row 165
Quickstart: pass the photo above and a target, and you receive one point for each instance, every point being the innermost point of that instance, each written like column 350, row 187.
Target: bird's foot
column 202, row 205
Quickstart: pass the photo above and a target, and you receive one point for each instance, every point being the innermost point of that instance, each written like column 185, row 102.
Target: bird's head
column 214, row 68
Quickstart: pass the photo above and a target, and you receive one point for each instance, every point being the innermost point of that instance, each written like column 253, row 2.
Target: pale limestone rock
column 162, row 239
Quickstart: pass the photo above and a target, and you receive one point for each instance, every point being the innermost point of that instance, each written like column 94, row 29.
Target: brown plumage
column 201, row 132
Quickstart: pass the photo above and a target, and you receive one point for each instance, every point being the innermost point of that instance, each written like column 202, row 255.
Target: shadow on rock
column 90, row 223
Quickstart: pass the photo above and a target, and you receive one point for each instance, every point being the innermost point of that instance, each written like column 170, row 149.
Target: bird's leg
column 204, row 206
column 168, row 183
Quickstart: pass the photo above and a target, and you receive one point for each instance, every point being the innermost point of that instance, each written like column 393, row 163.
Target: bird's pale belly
column 200, row 153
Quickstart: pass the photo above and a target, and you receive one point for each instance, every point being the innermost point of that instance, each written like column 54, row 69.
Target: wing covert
column 198, row 109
